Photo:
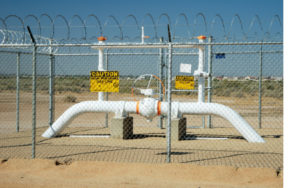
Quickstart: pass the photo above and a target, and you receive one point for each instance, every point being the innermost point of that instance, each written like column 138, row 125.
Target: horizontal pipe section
column 68, row 116
column 233, row 117
column 122, row 108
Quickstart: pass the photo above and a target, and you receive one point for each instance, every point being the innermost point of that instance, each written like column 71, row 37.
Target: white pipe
column 143, row 35
column 221, row 110
column 201, row 83
column 118, row 107
column 101, row 68
column 149, row 108
column 200, row 73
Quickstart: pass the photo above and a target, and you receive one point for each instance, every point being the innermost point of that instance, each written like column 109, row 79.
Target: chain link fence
column 247, row 77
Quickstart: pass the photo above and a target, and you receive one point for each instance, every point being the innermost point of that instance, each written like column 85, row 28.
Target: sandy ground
column 49, row 173
column 149, row 146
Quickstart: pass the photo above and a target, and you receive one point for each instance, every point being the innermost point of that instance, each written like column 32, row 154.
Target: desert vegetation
column 80, row 84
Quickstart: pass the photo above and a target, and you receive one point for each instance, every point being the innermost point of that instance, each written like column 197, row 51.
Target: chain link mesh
column 245, row 77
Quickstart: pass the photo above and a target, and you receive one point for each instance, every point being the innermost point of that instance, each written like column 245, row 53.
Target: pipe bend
column 226, row 112
column 77, row 109
column 87, row 106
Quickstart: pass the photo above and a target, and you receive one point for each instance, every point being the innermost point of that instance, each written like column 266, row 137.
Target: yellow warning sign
column 185, row 82
column 104, row 81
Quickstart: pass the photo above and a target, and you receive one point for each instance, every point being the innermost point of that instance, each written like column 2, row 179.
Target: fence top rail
column 147, row 45
column 139, row 45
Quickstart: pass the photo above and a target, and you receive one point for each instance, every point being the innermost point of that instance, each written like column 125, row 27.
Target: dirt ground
column 49, row 173
column 219, row 158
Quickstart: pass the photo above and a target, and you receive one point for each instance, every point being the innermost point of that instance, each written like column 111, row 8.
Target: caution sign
column 104, row 81
column 185, row 82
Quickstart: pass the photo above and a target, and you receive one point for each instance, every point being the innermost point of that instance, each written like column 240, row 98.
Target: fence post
column 166, row 57
column 33, row 99
column 106, row 93
column 33, row 91
column 18, row 94
column 51, row 85
column 260, row 86
column 169, row 98
column 209, row 80
column 160, row 70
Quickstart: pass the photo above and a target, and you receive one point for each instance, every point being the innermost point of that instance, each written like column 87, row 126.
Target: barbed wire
column 79, row 30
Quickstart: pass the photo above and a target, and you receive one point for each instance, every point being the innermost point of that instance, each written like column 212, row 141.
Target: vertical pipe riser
column 201, row 81
column 143, row 35
column 100, row 68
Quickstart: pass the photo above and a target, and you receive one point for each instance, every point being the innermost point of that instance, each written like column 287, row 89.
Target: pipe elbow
column 225, row 112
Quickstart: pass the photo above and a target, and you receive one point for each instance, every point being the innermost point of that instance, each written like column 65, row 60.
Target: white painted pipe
column 143, row 35
column 118, row 107
column 100, row 68
column 201, row 81
column 149, row 108
column 201, row 74
column 221, row 110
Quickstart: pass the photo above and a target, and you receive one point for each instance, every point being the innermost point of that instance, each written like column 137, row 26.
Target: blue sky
column 121, row 8
column 266, row 9
column 246, row 9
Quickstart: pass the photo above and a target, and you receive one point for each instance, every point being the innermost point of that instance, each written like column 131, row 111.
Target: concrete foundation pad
column 122, row 128
column 178, row 129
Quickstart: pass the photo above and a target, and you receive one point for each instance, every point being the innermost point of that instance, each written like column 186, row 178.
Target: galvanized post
column 51, row 85
column 18, row 94
column 209, row 80
column 160, row 70
column 33, row 91
column 260, row 86
column 169, row 104
column 33, row 99
column 106, row 94
column 166, row 57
